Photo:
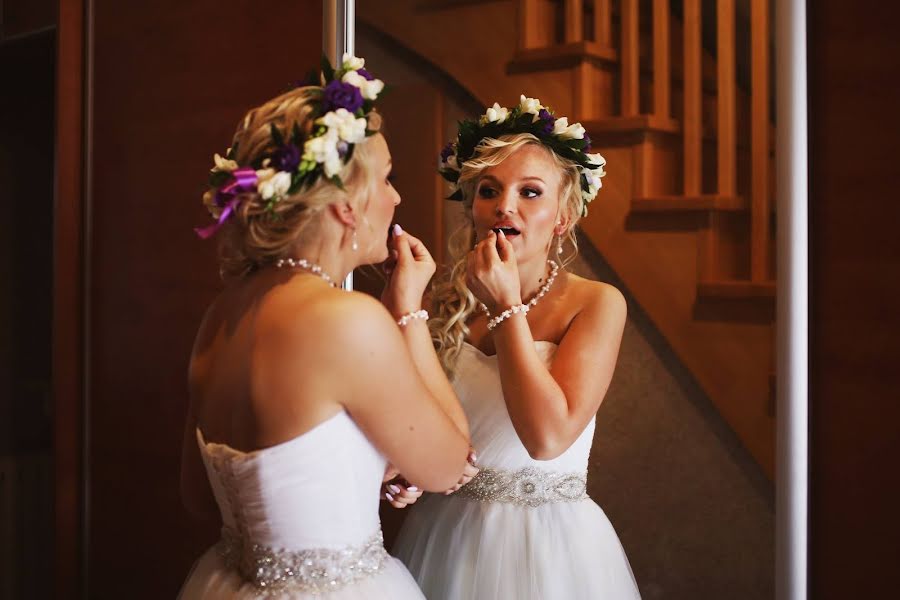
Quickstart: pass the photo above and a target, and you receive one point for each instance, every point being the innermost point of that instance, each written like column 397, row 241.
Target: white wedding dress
column 521, row 529
column 300, row 520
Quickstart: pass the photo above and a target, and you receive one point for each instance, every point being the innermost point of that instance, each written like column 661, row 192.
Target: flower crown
column 341, row 119
column 568, row 141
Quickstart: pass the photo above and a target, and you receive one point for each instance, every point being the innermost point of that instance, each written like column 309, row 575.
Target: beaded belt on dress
column 527, row 487
column 314, row 570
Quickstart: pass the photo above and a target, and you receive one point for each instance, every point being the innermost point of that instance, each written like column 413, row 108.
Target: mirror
column 679, row 98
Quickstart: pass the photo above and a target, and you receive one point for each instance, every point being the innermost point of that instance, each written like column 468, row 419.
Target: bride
column 531, row 349
column 290, row 426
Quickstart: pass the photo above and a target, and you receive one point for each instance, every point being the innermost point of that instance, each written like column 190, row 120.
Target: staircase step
column 688, row 204
column 737, row 290
column 561, row 56
column 636, row 123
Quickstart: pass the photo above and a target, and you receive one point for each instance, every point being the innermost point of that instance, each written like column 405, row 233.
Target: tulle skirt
column 463, row 549
column 211, row 579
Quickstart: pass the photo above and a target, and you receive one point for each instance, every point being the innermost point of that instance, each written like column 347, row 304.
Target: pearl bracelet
column 419, row 314
column 512, row 310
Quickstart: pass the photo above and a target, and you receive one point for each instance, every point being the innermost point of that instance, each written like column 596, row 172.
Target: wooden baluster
column 630, row 58
column 692, row 100
column 759, row 140
column 727, row 157
column 574, row 25
column 661, row 76
column 603, row 22
column 528, row 26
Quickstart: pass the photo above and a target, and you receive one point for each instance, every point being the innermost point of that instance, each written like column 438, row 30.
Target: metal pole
column 338, row 37
column 792, row 461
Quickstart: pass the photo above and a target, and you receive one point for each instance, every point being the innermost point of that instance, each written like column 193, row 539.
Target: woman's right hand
column 492, row 274
column 409, row 269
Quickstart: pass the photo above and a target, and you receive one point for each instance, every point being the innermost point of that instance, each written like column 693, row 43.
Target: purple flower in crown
column 547, row 119
column 587, row 139
column 342, row 148
column 447, row 152
column 341, row 95
column 286, row 158
column 365, row 74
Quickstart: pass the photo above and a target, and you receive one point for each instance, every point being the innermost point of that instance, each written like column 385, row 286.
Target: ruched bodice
column 316, row 490
column 522, row 528
column 477, row 384
column 300, row 520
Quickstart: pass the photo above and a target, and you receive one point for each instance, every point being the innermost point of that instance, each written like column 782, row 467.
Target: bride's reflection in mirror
column 681, row 457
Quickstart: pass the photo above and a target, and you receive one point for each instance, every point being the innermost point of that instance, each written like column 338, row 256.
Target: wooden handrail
column 727, row 156
column 759, row 141
column 630, row 59
column 693, row 94
column 661, row 69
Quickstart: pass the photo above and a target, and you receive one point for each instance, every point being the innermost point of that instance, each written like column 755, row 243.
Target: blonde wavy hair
column 452, row 301
column 256, row 235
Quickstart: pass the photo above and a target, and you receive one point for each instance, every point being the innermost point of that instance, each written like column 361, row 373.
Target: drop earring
column 559, row 245
column 354, row 245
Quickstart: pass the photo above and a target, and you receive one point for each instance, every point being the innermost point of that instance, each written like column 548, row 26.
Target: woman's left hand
column 492, row 273
column 400, row 493
column 468, row 474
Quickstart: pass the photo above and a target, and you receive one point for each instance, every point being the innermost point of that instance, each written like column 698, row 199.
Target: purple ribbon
column 244, row 180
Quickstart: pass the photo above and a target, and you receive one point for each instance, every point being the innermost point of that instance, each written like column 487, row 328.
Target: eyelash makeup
column 527, row 192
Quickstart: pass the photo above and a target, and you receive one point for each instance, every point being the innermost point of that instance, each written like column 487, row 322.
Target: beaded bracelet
column 512, row 310
column 419, row 314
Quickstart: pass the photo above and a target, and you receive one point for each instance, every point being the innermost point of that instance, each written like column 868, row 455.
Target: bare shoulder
column 597, row 297
column 324, row 313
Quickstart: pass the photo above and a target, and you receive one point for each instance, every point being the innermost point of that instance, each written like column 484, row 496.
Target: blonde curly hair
column 452, row 300
column 259, row 234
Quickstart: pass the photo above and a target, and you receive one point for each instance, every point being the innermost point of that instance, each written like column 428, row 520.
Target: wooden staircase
column 685, row 216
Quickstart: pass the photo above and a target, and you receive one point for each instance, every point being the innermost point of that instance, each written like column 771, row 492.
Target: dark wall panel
column 854, row 61
column 171, row 80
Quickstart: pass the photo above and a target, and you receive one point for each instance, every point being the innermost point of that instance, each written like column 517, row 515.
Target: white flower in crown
column 496, row 113
column 345, row 124
column 530, row 105
column 368, row 88
column 223, row 164
column 274, row 185
column 349, row 61
column 597, row 159
column 333, row 164
column 372, row 88
column 323, row 149
column 565, row 131
column 594, row 184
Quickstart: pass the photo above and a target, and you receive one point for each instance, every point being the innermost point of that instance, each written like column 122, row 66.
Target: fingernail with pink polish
column 389, row 497
column 394, row 489
column 397, row 229
column 413, row 488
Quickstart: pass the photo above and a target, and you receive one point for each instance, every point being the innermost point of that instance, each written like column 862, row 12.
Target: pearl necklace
column 554, row 270
column 307, row 266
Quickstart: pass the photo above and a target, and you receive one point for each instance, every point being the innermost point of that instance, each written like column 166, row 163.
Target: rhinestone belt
column 526, row 487
column 314, row 570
